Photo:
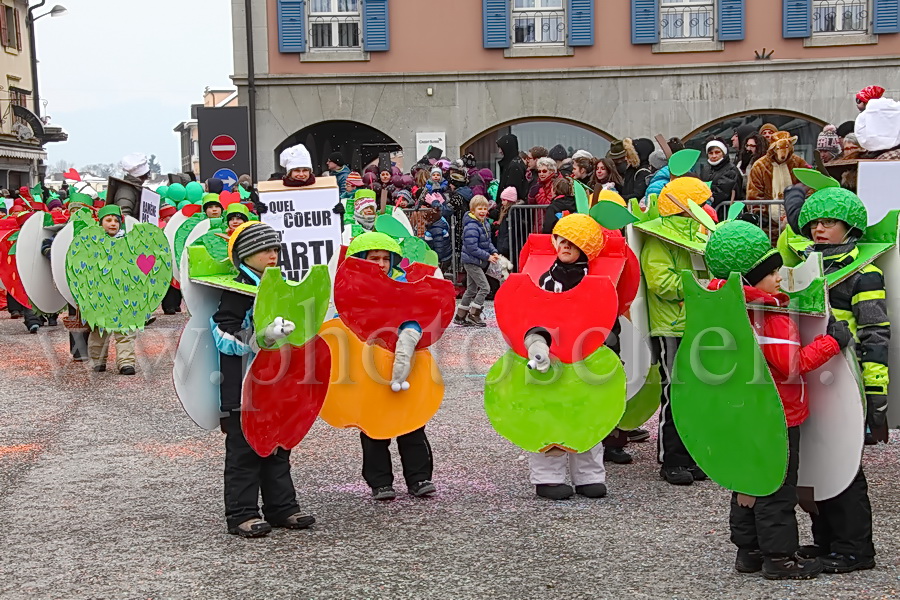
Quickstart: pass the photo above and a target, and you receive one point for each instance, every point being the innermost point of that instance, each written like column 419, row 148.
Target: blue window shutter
column 376, row 26
column 797, row 19
column 581, row 22
column 495, row 21
column 291, row 26
column 644, row 21
column 887, row 16
column 731, row 20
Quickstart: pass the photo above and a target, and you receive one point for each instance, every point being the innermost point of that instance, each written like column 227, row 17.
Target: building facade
column 355, row 75
column 189, row 133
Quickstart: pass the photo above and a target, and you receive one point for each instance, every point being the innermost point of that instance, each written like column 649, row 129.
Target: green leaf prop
column 215, row 244
column 417, row 250
column 391, row 226
column 683, row 161
column 702, row 216
column 305, row 303
column 244, row 194
column 642, row 405
column 814, row 179
column 725, row 404
column 119, row 282
column 185, row 230
column 573, row 405
column 735, row 211
column 611, row 215
column 203, row 269
column 36, row 192
column 652, row 207
column 582, row 202
column 102, row 195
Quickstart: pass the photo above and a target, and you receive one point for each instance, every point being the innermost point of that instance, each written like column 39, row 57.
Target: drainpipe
column 251, row 89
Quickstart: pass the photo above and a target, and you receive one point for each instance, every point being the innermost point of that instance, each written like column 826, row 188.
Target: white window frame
column 544, row 17
column 682, row 15
column 336, row 18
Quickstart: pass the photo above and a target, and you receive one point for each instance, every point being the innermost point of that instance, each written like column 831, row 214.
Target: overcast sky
column 119, row 76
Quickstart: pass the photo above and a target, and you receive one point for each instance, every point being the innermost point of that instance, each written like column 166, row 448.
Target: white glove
column 538, row 352
column 278, row 330
column 403, row 354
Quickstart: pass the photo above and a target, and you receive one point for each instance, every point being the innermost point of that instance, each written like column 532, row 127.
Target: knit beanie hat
column 436, row 170
column 872, row 92
column 457, row 178
column 658, row 160
column 355, row 179
column 250, row 238
column 363, row 203
column 582, row 154
column 215, row 185
column 510, row 194
column 828, row 140
column 54, row 203
column 402, row 194
column 558, row 153
column 768, row 127
column 337, row 158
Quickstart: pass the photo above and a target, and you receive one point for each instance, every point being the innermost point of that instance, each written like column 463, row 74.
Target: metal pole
column 29, row 26
column 251, row 89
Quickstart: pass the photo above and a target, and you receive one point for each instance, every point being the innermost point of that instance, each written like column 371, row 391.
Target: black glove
column 260, row 207
column 876, row 415
column 339, row 209
column 840, row 331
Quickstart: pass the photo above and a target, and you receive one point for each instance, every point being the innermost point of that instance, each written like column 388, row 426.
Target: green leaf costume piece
column 305, row 303
column 391, row 226
column 582, row 202
column 660, row 228
column 642, row 405
column 119, row 282
column 683, row 161
column 877, row 240
column 573, row 406
column 185, row 230
column 725, row 403
column 611, row 215
column 815, row 180
column 215, row 273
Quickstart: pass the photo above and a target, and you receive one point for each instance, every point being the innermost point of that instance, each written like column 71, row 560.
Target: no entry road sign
column 223, row 148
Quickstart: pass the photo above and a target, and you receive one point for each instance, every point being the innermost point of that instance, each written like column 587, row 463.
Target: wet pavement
column 108, row 490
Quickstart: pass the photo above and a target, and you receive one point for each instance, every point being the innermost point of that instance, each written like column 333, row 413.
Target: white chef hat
column 136, row 164
column 296, row 157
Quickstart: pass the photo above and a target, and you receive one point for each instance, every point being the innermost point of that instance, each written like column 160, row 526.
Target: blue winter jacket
column 476, row 242
column 658, row 181
column 341, row 175
column 437, row 236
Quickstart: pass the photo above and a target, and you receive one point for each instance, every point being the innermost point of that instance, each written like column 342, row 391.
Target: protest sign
column 310, row 231
column 149, row 207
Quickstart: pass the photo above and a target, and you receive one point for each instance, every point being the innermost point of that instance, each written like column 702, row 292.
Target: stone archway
column 359, row 143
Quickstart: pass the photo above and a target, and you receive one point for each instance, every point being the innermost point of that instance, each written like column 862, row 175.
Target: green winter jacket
column 661, row 267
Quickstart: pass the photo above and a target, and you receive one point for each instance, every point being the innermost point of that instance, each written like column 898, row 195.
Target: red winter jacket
column 788, row 361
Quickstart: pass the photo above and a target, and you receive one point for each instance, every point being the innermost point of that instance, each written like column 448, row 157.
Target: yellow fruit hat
column 686, row 189
column 611, row 196
column 584, row 232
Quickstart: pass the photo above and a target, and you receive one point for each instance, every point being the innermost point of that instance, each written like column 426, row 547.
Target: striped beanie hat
column 250, row 238
column 355, row 179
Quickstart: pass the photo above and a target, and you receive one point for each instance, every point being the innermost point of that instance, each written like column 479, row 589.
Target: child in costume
column 236, row 215
column 365, row 207
column 834, row 219
column 661, row 265
column 415, row 451
column 578, row 239
column 212, row 208
column 477, row 253
column 253, row 247
column 110, row 217
column 764, row 529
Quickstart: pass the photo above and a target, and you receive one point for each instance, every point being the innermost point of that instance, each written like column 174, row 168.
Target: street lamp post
column 56, row 11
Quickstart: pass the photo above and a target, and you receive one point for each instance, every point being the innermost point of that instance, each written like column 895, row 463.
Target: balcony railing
column 687, row 21
column 334, row 31
column 539, row 27
column 840, row 16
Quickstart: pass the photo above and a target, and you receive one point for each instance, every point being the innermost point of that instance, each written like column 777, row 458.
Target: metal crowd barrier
column 770, row 214
column 419, row 226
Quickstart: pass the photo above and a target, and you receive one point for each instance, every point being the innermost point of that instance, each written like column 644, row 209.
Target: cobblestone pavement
column 108, row 490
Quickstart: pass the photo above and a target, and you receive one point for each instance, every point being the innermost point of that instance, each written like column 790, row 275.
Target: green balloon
column 176, row 192
column 182, row 203
column 161, row 190
column 194, row 192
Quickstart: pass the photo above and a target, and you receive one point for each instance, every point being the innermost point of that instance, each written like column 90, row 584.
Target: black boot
column 554, row 492
column 697, row 473
column 748, row 561
column 846, row 563
column 616, row 455
column 676, row 475
column 791, row 567
column 591, row 490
